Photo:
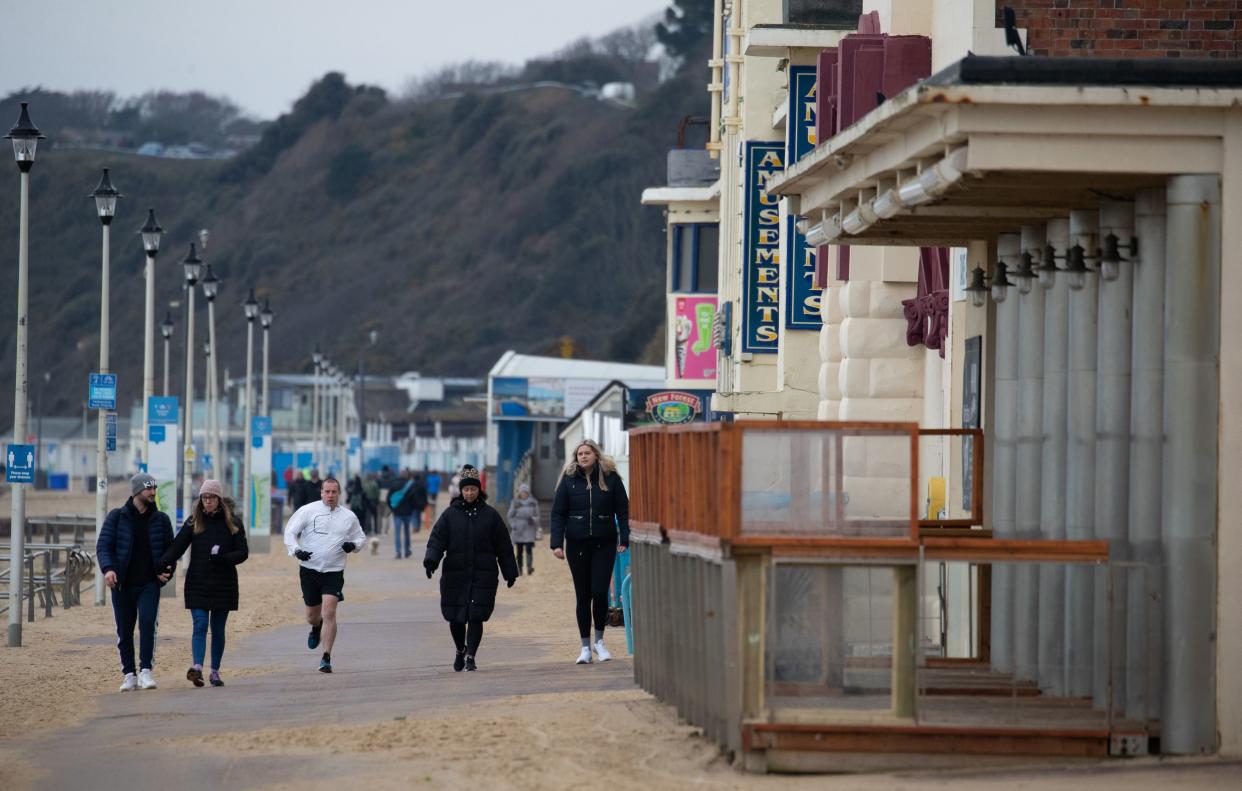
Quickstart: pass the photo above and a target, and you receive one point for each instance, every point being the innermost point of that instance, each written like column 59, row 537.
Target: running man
column 319, row 535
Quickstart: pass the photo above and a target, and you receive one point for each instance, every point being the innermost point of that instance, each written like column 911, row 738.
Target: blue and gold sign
column 802, row 299
column 761, row 267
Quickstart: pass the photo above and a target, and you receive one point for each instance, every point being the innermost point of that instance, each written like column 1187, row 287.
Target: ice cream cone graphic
column 682, row 329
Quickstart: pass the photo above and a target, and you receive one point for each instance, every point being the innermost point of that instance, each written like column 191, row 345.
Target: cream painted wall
column 746, row 386
column 1229, row 517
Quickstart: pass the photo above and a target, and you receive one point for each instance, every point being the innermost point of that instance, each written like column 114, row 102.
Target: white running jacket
column 321, row 531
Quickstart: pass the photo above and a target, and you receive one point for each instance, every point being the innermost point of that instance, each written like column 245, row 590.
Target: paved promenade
column 391, row 661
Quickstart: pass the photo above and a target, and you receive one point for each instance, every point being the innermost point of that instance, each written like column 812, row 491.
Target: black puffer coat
column 210, row 583
column 473, row 542
column 580, row 512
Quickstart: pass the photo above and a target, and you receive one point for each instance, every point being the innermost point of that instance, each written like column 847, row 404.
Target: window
column 695, row 248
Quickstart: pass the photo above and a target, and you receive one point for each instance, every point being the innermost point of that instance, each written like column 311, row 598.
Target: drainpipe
column 1005, row 433
column 716, row 86
column 1144, row 629
column 1053, row 678
column 1029, row 456
column 1112, row 456
column 1191, row 407
column 1080, row 461
column 733, row 61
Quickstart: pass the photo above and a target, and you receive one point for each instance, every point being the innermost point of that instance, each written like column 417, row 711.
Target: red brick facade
column 1130, row 28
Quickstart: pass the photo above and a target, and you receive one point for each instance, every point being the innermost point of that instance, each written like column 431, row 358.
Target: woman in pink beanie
column 216, row 539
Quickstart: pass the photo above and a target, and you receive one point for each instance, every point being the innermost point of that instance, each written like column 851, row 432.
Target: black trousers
column 590, row 564
column 529, row 546
column 467, row 636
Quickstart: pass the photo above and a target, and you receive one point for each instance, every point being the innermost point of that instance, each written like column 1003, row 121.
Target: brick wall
column 1130, row 28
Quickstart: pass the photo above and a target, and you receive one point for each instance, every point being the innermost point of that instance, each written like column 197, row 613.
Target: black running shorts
column 317, row 584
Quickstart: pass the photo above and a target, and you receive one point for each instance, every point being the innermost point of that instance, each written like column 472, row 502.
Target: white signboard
column 162, row 453
column 259, row 510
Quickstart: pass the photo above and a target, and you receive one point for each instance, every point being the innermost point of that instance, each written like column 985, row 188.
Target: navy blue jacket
column 116, row 539
column 580, row 512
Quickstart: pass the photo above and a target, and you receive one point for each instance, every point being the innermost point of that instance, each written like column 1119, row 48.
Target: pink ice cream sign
column 694, row 357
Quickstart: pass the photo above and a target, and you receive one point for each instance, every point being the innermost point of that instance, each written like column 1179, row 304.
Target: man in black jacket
column 131, row 541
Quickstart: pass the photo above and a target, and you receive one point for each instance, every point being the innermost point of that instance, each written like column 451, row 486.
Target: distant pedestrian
column 590, row 524
column 471, row 539
column 524, row 527
column 131, row 541
column 405, row 502
column 320, row 535
column 216, row 539
column 356, row 498
column 433, row 492
column 372, row 491
column 388, row 483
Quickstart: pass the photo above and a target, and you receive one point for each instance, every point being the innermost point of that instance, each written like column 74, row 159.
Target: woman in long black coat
column 216, row 539
column 472, row 540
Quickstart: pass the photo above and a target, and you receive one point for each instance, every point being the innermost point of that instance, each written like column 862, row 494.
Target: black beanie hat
column 469, row 476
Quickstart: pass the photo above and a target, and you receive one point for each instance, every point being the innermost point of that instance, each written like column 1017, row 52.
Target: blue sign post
column 102, row 391
column 20, row 464
column 110, row 432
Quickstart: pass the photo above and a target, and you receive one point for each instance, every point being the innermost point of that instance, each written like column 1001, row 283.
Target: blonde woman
column 590, row 525
column 216, row 539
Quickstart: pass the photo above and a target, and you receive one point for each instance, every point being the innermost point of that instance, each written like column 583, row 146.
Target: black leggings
column 590, row 564
column 467, row 636
column 529, row 546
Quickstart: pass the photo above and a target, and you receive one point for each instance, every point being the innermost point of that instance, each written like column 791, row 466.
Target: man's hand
column 165, row 574
column 560, row 553
column 302, row 554
column 430, row 569
column 623, row 547
column 349, row 546
column 509, row 583
column 110, row 579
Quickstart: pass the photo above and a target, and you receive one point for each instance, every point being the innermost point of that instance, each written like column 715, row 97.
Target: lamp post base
column 15, row 635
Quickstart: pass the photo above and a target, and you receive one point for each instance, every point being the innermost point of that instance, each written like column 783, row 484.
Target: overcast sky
column 263, row 54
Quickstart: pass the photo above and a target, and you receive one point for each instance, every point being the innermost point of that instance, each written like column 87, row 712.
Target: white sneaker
column 602, row 652
column 584, row 658
column 145, row 679
column 130, row 683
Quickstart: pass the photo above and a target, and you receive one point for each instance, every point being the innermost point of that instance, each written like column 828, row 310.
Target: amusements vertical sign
column 802, row 299
column 761, row 270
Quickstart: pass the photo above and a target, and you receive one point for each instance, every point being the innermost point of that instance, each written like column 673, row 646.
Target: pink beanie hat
column 211, row 486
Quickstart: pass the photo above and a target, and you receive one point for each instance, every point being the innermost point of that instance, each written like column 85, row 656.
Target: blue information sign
column 110, row 432
column 102, row 391
column 162, row 411
column 20, row 464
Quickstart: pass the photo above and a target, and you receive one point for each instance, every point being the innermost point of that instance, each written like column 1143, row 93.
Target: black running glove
column 349, row 546
column 430, row 569
column 302, row 554
column 509, row 583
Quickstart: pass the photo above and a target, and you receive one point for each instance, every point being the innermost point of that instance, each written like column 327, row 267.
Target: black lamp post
column 105, row 196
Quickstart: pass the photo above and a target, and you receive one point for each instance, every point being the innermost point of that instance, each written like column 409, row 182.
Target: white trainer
column 602, row 652
column 584, row 658
column 130, row 683
column 145, row 679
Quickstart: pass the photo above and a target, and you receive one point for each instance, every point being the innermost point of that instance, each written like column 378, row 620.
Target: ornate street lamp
column 151, row 232
column 193, row 266
column 251, row 309
column 105, row 196
column 25, row 137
